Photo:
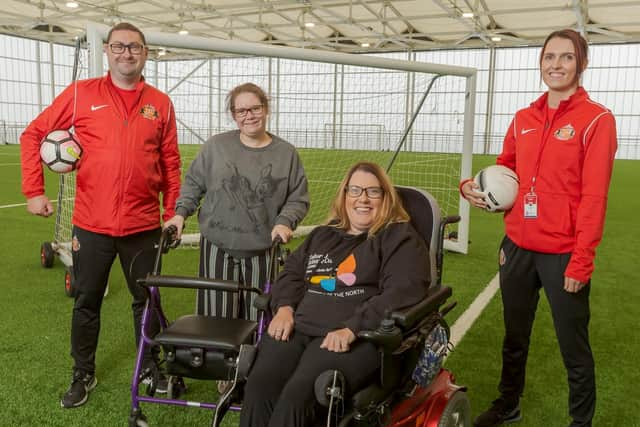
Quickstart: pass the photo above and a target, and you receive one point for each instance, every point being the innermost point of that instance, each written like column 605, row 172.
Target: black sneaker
column 78, row 393
column 502, row 411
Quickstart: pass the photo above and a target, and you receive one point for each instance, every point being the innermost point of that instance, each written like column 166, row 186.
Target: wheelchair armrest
column 409, row 317
column 389, row 334
column 262, row 301
column 194, row 283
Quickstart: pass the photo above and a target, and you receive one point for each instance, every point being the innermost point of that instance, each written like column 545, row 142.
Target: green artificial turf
column 35, row 316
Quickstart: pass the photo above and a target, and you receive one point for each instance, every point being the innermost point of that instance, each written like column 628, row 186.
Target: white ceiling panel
column 342, row 25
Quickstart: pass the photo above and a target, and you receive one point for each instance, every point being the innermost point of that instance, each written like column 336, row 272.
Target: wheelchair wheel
column 457, row 413
column 69, row 283
column 46, row 255
column 138, row 420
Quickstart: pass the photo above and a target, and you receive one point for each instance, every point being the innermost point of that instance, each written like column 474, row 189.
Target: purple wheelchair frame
column 167, row 241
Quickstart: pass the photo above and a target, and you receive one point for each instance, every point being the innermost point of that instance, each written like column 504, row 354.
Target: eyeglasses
column 134, row 48
column 372, row 192
column 242, row 112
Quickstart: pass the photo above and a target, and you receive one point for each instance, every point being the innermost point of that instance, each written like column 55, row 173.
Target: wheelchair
column 395, row 399
column 213, row 348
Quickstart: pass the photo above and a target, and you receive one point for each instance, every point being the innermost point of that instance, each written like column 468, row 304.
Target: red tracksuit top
column 128, row 158
column 578, row 149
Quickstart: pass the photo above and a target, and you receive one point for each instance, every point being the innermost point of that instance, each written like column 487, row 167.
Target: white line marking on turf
column 13, row 206
column 10, row 164
column 17, row 205
column 471, row 314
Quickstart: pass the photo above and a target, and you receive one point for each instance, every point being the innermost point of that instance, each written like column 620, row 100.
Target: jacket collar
column 579, row 95
column 138, row 87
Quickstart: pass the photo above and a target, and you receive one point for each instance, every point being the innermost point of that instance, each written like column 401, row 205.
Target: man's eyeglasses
column 134, row 48
column 372, row 192
column 242, row 112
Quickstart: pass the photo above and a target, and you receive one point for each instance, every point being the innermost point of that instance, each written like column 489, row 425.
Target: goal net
column 415, row 119
column 67, row 182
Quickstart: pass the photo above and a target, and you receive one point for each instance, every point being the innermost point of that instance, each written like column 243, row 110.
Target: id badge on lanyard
column 531, row 205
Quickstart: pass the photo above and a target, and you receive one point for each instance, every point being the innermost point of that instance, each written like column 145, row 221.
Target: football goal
column 413, row 118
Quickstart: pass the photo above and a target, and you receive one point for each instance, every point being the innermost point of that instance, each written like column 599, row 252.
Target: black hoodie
column 336, row 280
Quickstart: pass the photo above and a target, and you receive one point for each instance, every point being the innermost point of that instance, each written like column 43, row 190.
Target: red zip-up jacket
column 578, row 149
column 128, row 158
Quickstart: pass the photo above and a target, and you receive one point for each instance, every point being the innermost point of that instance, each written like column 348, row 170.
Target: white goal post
column 415, row 118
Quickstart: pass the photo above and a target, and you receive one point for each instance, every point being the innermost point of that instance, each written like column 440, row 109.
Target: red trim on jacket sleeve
column 170, row 164
column 600, row 145
column 56, row 116
column 508, row 155
column 463, row 182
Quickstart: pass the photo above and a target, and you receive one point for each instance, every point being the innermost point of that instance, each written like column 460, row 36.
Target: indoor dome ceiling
column 343, row 25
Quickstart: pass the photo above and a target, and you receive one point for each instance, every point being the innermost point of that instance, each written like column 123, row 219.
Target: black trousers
column 93, row 255
column 279, row 391
column 522, row 274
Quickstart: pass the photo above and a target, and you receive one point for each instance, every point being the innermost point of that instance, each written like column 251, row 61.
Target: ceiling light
column 183, row 32
column 309, row 24
column 496, row 38
column 467, row 15
column 162, row 52
column 365, row 44
column 71, row 4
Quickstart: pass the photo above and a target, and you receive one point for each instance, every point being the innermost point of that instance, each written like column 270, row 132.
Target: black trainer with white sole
column 82, row 384
column 502, row 411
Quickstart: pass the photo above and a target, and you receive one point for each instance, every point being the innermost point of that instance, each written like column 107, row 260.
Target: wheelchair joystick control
column 387, row 324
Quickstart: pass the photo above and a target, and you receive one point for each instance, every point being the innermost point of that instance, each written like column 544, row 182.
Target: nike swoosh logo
column 526, row 131
column 97, row 107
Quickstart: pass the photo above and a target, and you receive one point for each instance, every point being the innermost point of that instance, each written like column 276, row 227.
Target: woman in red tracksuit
column 562, row 147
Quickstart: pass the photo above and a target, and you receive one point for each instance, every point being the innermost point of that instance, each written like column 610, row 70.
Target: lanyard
column 547, row 125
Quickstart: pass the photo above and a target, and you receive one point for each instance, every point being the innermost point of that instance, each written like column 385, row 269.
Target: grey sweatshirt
column 244, row 191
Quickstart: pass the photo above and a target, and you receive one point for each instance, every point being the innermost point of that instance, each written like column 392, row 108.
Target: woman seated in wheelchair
column 341, row 280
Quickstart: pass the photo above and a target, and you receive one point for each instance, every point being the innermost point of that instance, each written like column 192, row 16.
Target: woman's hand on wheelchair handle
column 281, row 325
column 178, row 221
column 338, row 340
column 284, row 232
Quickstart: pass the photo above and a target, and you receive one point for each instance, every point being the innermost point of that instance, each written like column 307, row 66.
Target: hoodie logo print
column 344, row 272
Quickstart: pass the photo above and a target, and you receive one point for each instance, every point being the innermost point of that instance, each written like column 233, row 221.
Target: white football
column 60, row 151
column 499, row 185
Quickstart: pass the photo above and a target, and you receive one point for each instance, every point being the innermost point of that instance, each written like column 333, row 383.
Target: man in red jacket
column 127, row 130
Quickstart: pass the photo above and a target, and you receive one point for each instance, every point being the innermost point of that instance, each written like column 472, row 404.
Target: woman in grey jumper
column 253, row 188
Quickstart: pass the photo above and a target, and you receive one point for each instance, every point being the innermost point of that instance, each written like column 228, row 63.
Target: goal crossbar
column 96, row 35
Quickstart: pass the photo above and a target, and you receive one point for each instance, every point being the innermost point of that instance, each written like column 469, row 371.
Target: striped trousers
column 215, row 263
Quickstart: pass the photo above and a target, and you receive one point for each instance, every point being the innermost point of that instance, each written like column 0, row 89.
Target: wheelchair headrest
column 425, row 215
